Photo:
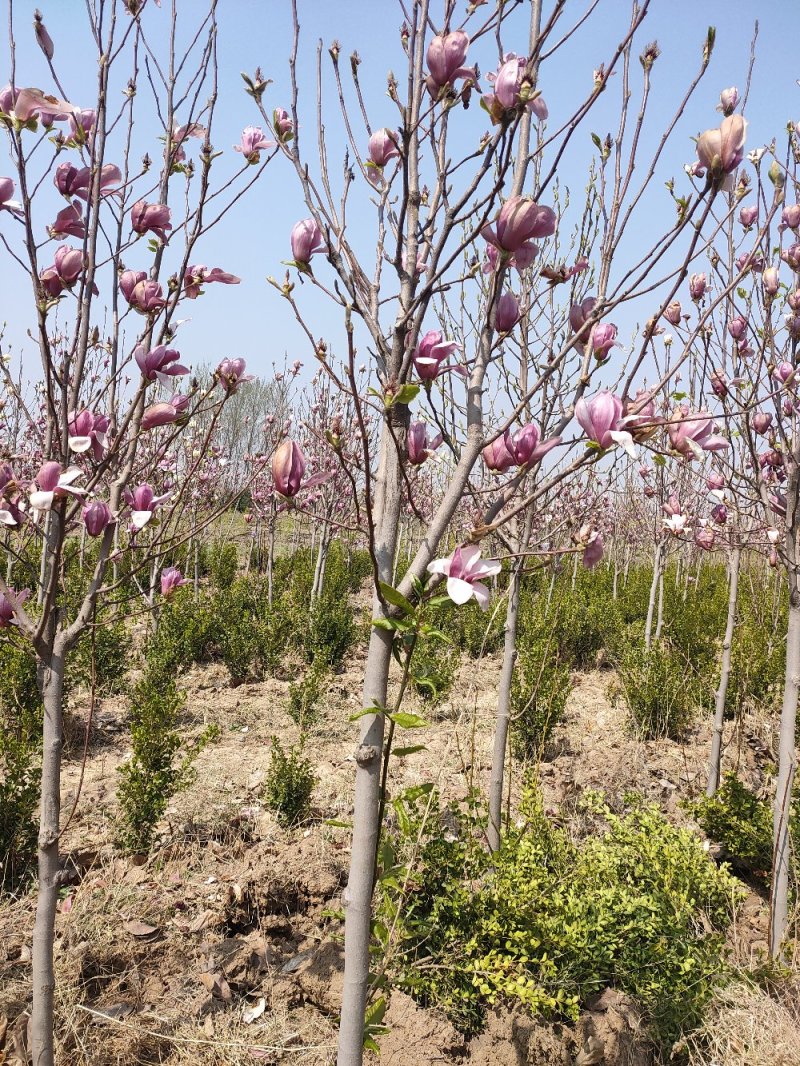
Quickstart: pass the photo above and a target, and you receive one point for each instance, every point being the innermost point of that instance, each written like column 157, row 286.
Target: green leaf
column 389, row 624
column 659, row 460
column 407, row 720
column 397, row 599
column 374, row 709
column 337, row 824
column 439, row 601
column 405, row 394
column 412, row 749
column 415, row 791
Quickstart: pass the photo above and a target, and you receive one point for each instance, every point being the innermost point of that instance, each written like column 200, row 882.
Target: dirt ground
column 220, row 947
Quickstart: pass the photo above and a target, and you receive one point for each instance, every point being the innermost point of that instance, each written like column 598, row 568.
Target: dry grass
column 745, row 1026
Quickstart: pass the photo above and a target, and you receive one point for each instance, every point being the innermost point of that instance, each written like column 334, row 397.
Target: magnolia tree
column 110, row 442
column 485, row 304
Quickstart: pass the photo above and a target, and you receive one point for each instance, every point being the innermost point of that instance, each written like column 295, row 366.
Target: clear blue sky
column 251, row 320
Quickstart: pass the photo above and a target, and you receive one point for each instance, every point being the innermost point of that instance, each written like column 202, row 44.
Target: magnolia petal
column 6, row 518
column 623, row 438
column 459, row 591
column 80, row 444
column 439, row 566
column 139, row 519
column 481, row 594
column 42, row 501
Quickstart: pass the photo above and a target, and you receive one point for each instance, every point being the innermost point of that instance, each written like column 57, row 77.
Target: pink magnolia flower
column 68, row 223
column 771, row 281
column 512, row 90
column 737, row 327
column 383, row 146
column 73, row 181
column 464, row 571
column 230, row 374
column 288, row 468
column 672, row 313
column 33, row 103
column 6, row 192
column 159, row 414
column 528, row 447
column 143, row 502
column 640, row 416
column 306, row 239
column 153, row 218
column 762, row 420
column 602, row 339
column 67, row 267
column 499, row 455
column 54, row 484
column 253, row 142
column 197, row 276
column 704, row 537
column 12, row 503
column 698, row 285
column 692, row 434
column 728, row 99
column 445, row 58
column 520, row 220
column 748, row 215
column 715, row 482
column 719, row 514
column 593, row 552
column 790, row 217
column 677, row 524
column 87, row 431
column 420, row 447
column 180, row 134
column 721, row 151
column 431, row 352
column 81, row 126
column 284, row 127
column 159, row 363
column 143, row 294
column 10, row 600
column 171, row 579
column 97, row 516
column 599, row 417
column 507, row 313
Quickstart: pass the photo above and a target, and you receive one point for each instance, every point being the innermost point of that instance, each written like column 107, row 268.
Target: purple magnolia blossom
column 69, row 222
column 253, row 142
column 383, row 146
column 528, row 447
column 520, row 220
column 97, row 516
column 230, row 374
column 720, row 151
column 12, row 503
column 698, row 286
column 431, row 353
column 580, row 313
column 771, row 281
column 160, row 363
column 306, row 239
column 762, row 421
column 419, row 445
column 54, row 484
column 33, row 103
column 197, row 276
column 159, row 414
column 728, row 99
column 446, row 55
column 513, row 90
column 171, row 579
column 784, row 372
column 152, row 218
column 704, row 537
column 143, row 502
column 715, row 482
column 77, row 181
column 143, row 294
column 593, row 550
column 790, row 217
column 67, row 267
column 6, row 193
column 737, row 327
column 288, row 468
column 81, row 126
column 87, row 432
column 748, row 215
column 692, row 434
column 464, row 570
column 719, row 514
column 9, row 601
column 507, row 313
column 284, row 127
column 499, row 455
column 602, row 339
column 599, row 417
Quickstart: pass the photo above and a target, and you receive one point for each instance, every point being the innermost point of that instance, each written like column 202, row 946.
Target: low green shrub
column 304, row 696
column 539, row 691
column 20, row 758
column 738, row 820
column 434, row 666
column 660, row 689
column 547, row 923
column 223, row 563
column 289, row 783
column 154, row 773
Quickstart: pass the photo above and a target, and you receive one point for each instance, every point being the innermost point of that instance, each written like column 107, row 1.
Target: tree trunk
column 651, row 603
column 357, row 897
column 42, row 1015
column 724, row 676
column 787, row 764
column 660, row 617
column 503, row 712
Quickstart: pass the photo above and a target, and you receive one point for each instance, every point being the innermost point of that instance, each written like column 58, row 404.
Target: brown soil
column 220, row 946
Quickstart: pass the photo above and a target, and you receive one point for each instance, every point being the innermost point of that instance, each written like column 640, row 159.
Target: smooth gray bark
column 724, row 676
